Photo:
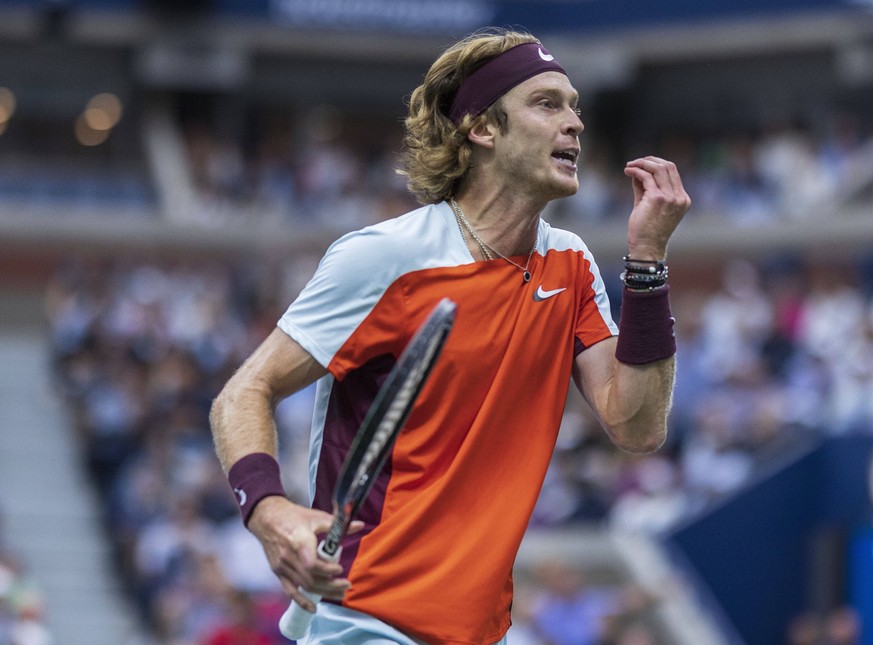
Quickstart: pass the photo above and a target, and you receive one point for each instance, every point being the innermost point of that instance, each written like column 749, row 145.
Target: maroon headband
column 499, row 75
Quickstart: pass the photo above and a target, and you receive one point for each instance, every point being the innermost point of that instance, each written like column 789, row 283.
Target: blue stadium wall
column 800, row 540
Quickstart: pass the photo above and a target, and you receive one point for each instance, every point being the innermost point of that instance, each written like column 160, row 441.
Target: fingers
column 653, row 173
column 319, row 521
column 288, row 534
column 330, row 585
column 322, row 578
column 300, row 558
column 658, row 177
column 660, row 202
column 325, row 582
column 297, row 595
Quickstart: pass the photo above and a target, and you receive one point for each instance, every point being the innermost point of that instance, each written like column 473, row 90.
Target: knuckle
column 297, row 541
column 280, row 568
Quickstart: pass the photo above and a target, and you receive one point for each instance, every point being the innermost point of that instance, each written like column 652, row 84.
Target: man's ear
column 482, row 134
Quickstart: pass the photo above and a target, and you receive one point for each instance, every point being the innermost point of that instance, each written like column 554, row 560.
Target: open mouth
column 567, row 157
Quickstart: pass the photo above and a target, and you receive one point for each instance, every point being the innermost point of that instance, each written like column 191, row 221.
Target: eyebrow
column 553, row 92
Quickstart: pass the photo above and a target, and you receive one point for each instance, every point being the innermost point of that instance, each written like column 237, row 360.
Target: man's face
column 539, row 148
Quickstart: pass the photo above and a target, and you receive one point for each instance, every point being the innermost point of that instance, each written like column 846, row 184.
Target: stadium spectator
column 573, row 611
column 22, row 606
column 239, row 625
column 837, row 626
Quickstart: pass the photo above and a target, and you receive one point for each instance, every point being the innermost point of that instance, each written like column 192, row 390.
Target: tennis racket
column 372, row 443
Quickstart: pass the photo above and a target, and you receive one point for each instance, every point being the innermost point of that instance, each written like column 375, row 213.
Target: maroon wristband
column 645, row 330
column 253, row 478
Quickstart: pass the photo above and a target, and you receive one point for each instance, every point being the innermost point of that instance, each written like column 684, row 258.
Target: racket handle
column 295, row 622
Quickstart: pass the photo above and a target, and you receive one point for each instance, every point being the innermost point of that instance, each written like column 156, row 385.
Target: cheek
column 514, row 159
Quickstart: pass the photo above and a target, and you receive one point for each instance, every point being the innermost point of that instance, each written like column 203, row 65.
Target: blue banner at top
column 462, row 16
column 557, row 15
column 540, row 16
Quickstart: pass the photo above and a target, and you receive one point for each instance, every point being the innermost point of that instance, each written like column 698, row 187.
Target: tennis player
column 492, row 136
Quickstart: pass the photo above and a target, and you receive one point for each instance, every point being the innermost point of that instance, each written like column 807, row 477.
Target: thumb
column 303, row 542
column 319, row 521
column 304, row 536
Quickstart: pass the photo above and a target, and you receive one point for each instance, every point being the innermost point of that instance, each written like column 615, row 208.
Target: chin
column 554, row 186
column 566, row 189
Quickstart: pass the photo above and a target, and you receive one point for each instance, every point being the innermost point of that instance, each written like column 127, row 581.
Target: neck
column 506, row 225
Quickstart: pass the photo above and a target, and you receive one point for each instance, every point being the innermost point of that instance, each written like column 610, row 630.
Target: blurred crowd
column 775, row 357
column 331, row 168
column 769, row 362
column 140, row 353
column 839, row 626
column 321, row 169
column 558, row 604
column 780, row 170
column 323, row 172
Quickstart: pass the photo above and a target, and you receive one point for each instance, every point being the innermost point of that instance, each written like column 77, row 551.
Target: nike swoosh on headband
column 499, row 75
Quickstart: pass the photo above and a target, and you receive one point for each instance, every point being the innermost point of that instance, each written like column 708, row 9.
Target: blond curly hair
column 437, row 152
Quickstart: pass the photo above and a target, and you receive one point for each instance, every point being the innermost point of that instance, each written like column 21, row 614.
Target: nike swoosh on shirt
column 541, row 294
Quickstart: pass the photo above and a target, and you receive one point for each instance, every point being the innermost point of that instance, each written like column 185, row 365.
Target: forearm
column 635, row 405
column 629, row 379
column 242, row 423
column 644, row 364
column 242, row 415
column 244, row 431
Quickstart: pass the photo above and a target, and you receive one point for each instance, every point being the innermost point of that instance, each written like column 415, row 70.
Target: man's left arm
column 628, row 380
column 631, row 401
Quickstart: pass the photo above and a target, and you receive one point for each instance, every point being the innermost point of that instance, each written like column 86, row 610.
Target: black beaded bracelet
column 644, row 266
column 644, row 275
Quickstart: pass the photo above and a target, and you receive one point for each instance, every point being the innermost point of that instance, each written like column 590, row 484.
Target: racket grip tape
column 294, row 623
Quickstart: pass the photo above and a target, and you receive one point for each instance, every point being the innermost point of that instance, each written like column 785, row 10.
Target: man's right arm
column 243, row 423
column 242, row 415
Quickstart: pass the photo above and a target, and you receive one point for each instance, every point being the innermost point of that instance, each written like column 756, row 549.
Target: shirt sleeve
column 594, row 322
column 351, row 280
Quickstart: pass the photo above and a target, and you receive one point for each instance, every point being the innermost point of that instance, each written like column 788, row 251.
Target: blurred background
column 171, row 172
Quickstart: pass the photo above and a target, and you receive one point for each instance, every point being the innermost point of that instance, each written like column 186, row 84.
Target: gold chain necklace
column 463, row 224
column 486, row 249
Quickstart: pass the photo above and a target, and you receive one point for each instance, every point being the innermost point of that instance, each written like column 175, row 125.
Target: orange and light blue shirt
column 446, row 517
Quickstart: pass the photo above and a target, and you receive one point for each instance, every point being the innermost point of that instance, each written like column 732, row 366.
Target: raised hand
column 660, row 203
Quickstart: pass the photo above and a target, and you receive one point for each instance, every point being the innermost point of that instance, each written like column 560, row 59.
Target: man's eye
column 547, row 103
